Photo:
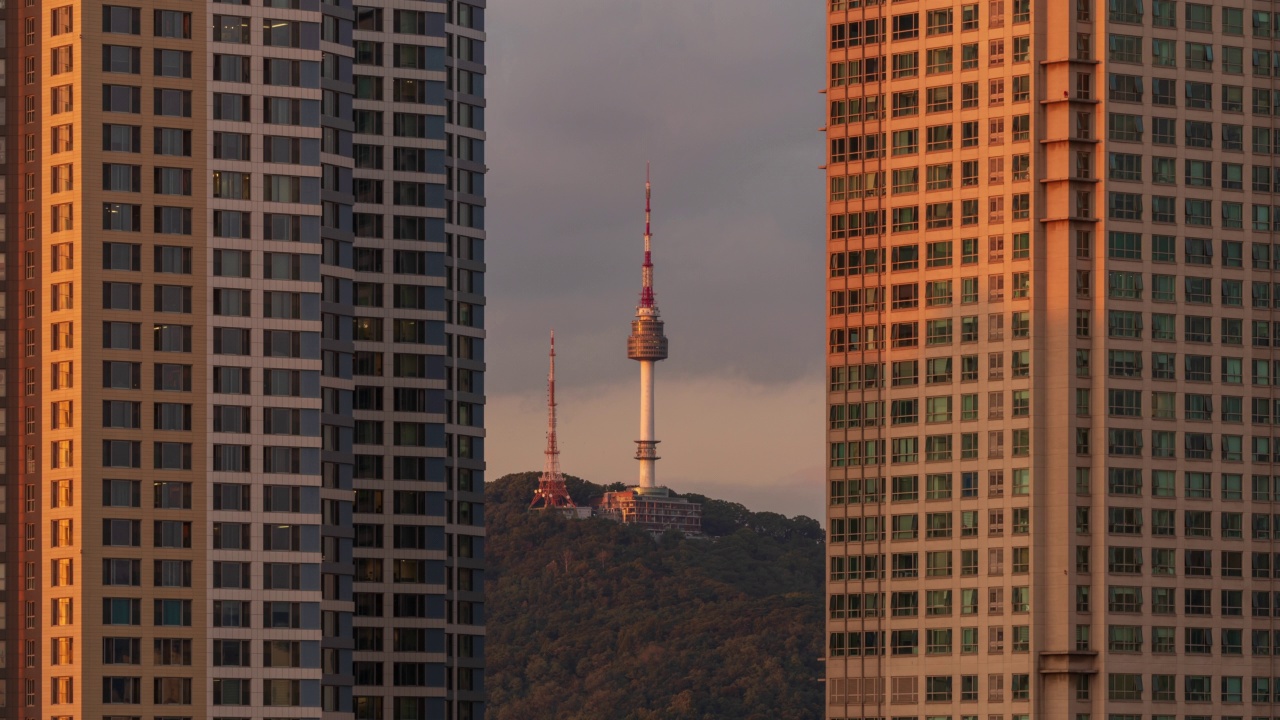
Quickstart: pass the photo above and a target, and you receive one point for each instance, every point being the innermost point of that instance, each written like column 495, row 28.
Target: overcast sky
column 723, row 99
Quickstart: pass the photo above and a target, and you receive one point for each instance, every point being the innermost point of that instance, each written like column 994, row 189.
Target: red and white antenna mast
column 552, row 465
column 646, row 272
column 551, row 490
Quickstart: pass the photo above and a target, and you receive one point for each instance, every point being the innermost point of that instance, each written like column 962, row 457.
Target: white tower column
column 648, row 461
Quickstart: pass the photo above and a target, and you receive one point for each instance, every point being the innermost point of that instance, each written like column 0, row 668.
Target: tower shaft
column 647, row 445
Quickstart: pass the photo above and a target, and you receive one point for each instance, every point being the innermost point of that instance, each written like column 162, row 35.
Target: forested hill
column 592, row 620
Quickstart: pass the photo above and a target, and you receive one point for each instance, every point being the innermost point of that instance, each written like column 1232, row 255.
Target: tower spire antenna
column 648, row 193
column 551, row 490
column 646, row 273
column 553, row 448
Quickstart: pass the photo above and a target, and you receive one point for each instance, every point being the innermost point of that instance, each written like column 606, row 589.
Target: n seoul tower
column 648, row 504
column 647, row 345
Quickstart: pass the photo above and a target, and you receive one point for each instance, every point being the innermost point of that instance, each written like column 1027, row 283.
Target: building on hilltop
column 656, row 511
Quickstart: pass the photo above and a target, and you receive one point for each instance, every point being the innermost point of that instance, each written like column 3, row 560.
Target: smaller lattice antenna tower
column 551, row 491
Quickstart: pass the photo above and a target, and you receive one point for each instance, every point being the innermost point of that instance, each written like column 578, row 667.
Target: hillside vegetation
column 591, row 620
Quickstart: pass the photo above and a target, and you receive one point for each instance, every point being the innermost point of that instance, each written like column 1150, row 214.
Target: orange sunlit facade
column 1052, row 359
column 241, row 301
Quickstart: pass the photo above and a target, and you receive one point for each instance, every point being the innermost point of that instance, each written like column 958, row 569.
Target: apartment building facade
column 1052, row 359
column 244, row 364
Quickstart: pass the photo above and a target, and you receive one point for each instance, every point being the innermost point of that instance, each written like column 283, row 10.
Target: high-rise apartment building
column 244, row 460
column 1053, row 294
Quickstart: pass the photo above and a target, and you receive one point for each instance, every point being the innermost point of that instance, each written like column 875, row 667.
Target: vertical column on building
column 404, row 589
column 18, row 156
column 1067, row 127
column 264, row 149
column 121, row 269
column 857, row 683
column 464, row 308
column 336, row 351
column 933, row 366
column 8, row 509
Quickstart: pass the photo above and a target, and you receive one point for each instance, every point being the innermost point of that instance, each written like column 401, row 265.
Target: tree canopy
column 591, row 619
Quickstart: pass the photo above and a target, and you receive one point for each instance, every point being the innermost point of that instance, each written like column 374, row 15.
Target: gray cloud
column 723, row 99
